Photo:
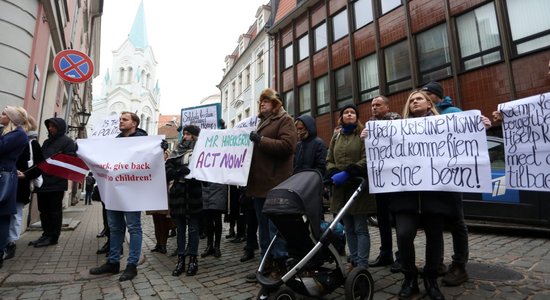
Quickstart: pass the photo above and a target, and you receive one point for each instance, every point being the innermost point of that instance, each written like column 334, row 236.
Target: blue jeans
column 15, row 223
column 118, row 221
column 358, row 239
column 188, row 225
column 266, row 231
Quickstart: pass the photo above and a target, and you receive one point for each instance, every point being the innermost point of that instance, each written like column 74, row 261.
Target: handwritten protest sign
column 526, row 131
column 204, row 116
column 130, row 178
column 223, row 156
column 107, row 127
column 438, row 153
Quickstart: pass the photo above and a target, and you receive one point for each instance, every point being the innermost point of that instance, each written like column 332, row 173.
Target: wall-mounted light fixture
column 83, row 117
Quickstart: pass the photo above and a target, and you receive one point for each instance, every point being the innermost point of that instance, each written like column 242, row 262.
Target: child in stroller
column 314, row 266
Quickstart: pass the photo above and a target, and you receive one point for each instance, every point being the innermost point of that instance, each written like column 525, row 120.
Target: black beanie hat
column 192, row 129
column 434, row 88
column 350, row 106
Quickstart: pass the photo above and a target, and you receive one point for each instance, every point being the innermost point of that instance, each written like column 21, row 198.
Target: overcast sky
column 190, row 40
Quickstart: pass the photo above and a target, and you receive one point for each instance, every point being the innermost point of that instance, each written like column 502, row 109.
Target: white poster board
column 437, row 153
column 526, row 131
column 107, row 127
column 131, row 178
column 204, row 116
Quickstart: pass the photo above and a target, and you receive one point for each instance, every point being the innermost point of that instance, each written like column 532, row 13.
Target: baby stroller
column 314, row 265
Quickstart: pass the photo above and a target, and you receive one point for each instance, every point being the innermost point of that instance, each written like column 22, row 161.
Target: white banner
column 438, row 153
column 108, row 127
column 129, row 172
column 223, row 156
column 526, row 131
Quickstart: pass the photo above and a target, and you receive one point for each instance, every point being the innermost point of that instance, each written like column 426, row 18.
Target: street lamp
column 83, row 117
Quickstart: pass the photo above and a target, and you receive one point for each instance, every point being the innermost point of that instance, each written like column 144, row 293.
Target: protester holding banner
column 120, row 220
column 185, row 201
column 13, row 141
column 274, row 144
column 346, row 159
column 50, row 194
column 412, row 209
column 311, row 152
column 25, row 173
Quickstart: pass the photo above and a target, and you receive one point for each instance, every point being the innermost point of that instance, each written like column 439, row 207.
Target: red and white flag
column 65, row 166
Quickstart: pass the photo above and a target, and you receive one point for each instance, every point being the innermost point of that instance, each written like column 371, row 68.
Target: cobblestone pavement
column 61, row 271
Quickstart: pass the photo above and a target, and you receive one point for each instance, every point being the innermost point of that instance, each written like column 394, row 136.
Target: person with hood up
column 50, row 195
column 311, row 152
column 185, row 201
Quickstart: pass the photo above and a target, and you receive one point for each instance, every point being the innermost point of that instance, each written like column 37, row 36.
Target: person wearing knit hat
column 433, row 88
column 13, row 141
column 192, row 129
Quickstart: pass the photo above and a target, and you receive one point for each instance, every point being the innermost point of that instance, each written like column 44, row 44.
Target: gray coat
column 214, row 196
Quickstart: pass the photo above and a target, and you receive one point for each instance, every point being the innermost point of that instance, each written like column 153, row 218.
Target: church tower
column 131, row 84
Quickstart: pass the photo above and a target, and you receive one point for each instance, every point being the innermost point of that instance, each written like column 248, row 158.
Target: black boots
column 208, row 251
column 180, row 266
column 409, row 287
column 10, row 250
column 160, row 249
column 129, row 273
column 105, row 268
column 432, row 289
column 193, row 266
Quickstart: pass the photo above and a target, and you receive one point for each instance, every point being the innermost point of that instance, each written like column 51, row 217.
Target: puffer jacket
column 347, row 153
column 311, row 153
column 58, row 143
column 214, row 196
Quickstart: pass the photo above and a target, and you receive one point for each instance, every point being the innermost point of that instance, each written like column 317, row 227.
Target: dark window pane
column 398, row 69
column 305, row 99
column 342, row 83
column 433, row 53
column 323, row 97
column 289, row 102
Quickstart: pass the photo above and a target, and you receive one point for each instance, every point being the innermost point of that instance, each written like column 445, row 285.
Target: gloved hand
column 164, row 145
column 255, row 137
column 340, row 178
column 183, row 171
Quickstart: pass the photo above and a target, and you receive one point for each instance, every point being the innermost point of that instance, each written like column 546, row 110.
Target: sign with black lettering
column 526, row 131
column 204, row 116
column 107, row 127
column 437, row 153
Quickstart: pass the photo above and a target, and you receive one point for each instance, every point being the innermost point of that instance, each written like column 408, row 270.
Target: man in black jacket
column 50, row 194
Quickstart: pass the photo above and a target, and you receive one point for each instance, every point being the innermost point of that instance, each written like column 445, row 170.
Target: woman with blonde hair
column 12, row 142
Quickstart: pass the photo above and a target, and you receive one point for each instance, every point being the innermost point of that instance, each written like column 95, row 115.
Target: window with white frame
column 340, row 25
column 433, row 53
column 368, row 77
column 529, row 24
column 479, row 37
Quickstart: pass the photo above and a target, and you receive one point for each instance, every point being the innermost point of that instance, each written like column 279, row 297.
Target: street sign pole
column 69, row 102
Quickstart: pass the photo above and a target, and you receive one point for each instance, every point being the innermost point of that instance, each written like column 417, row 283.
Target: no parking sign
column 73, row 66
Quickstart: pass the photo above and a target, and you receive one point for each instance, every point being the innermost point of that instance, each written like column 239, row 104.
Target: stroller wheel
column 281, row 293
column 359, row 284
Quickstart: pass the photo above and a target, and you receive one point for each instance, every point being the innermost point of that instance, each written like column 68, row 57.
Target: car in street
column 506, row 206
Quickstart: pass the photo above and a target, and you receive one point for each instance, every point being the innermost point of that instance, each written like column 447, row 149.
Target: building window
column 398, row 69
column 362, row 10
column 247, row 113
column 342, row 83
column 287, row 55
column 289, row 102
column 340, row 25
column 226, row 96
column 260, row 64
column 305, row 99
column 433, row 54
column 239, row 84
column 388, row 5
column 247, row 76
column 368, row 77
column 322, row 95
column 478, row 36
column 529, row 24
column 303, row 47
column 320, row 38
column 233, row 94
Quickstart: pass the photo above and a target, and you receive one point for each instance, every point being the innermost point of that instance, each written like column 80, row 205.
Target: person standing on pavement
column 311, row 152
column 214, row 202
column 380, row 107
column 50, row 194
column 13, row 141
column 274, row 144
column 120, row 220
column 185, row 201
column 346, row 159
column 25, row 174
column 90, row 182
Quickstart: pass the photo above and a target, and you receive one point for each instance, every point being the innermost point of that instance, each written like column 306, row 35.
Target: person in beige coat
column 274, row 140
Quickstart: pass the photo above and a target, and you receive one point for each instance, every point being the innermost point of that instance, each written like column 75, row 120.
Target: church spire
column 138, row 34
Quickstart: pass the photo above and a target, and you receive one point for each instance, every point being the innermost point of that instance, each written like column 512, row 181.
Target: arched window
column 143, row 79
column 121, row 75
column 130, row 74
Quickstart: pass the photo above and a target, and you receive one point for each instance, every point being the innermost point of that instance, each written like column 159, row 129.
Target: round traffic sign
column 73, row 66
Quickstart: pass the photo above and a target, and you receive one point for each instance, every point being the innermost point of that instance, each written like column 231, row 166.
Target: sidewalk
column 501, row 267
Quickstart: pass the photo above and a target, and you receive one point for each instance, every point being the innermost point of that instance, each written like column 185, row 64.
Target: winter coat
column 214, row 196
column 11, row 146
column 446, row 106
column 311, row 153
column 138, row 132
column 184, row 195
column 273, row 155
column 23, row 184
column 347, row 153
column 59, row 143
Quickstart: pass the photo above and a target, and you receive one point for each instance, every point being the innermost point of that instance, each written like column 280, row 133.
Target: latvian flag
column 65, row 166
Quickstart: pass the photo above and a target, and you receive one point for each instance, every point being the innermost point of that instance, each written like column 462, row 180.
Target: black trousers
column 213, row 224
column 383, row 215
column 50, row 205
